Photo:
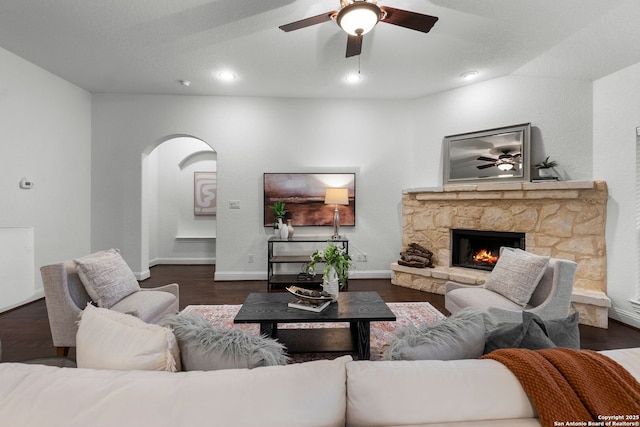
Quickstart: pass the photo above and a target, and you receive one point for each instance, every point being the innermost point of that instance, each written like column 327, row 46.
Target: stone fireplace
column 480, row 249
column 558, row 219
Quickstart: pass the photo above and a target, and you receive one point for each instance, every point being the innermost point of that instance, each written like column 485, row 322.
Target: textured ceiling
column 147, row 46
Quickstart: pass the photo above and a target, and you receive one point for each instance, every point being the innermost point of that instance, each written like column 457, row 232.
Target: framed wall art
column 303, row 195
column 204, row 193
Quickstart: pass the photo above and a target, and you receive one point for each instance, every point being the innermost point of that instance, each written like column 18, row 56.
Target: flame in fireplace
column 485, row 256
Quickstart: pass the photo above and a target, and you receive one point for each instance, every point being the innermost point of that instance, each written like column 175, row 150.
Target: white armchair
column 551, row 298
column 66, row 297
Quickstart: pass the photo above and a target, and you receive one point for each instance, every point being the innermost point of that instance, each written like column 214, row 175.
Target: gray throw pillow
column 207, row 347
column 564, row 332
column 461, row 336
column 516, row 275
column 530, row 334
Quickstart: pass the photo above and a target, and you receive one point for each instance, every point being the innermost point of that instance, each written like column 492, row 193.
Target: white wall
column 616, row 114
column 559, row 111
column 252, row 136
column 179, row 236
column 45, row 135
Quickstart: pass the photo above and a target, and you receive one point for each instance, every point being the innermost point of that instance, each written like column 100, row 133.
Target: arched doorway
column 172, row 231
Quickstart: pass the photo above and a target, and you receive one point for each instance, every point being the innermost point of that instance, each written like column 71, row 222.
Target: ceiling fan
column 504, row 162
column 358, row 17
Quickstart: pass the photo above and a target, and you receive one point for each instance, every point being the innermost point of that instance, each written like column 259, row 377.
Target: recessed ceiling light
column 469, row 75
column 227, row 76
column 353, row 78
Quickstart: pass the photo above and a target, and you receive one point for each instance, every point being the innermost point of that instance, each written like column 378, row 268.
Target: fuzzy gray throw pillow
column 207, row 347
column 461, row 336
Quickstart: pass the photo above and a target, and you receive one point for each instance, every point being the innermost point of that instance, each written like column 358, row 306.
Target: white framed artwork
column 205, row 192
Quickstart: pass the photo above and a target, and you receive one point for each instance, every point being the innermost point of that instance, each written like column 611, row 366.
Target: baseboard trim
column 627, row 317
column 262, row 275
column 371, row 274
column 223, row 276
column 186, row 261
column 143, row 275
column 39, row 294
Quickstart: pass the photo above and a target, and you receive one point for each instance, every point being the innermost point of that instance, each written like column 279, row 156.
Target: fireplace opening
column 481, row 249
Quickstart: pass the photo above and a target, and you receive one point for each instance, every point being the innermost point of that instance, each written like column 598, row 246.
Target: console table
column 304, row 257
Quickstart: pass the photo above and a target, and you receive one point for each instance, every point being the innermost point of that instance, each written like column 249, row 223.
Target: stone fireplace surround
column 560, row 219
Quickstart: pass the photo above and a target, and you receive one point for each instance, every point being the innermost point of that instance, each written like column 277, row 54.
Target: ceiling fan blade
column 354, row 45
column 307, row 22
column 486, row 159
column 490, row 165
column 412, row 20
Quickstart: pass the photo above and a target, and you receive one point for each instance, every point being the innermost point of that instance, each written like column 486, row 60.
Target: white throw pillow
column 106, row 277
column 516, row 275
column 108, row 339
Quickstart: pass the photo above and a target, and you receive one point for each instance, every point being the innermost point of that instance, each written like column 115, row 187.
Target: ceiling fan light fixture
column 353, row 78
column 359, row 17
column 226, row 76
column 505, row 166
column 469, row 75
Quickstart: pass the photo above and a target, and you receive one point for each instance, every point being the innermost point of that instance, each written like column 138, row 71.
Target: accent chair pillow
column 516, row 275
column 108, row 339
column 207, row 347
column 106, row 277
column 461, row 336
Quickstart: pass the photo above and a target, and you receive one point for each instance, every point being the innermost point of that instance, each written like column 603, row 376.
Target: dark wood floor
column 24, row 331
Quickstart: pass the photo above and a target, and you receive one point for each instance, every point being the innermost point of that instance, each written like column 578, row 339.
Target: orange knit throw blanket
column 573, row 385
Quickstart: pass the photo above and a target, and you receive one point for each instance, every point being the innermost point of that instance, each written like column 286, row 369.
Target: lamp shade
column 336, row 196
column 358, row 18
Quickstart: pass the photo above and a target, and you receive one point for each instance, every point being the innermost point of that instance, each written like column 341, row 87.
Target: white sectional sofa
column 341, row 392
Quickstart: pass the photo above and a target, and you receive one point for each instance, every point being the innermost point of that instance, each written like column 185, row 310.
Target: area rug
column 406, row 313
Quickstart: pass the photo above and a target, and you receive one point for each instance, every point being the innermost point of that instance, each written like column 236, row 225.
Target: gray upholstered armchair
column 66, row 297
column 551, row 298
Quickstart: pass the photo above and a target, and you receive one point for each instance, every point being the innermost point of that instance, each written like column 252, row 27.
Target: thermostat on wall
column 26, row 184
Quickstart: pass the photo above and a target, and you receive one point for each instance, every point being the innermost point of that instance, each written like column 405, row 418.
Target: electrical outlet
column 251, row 258
column 361, row 257
column 234, row 204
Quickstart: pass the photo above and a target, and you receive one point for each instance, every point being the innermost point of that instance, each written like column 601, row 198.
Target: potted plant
column 278, row 213
column 336, row 267
column 544, row 166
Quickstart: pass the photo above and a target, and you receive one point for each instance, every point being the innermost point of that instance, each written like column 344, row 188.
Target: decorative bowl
column 308, row 294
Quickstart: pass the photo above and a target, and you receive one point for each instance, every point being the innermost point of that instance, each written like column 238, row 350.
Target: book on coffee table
column 309, row 306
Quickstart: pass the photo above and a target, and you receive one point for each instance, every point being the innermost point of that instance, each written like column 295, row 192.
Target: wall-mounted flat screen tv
column 303, row 195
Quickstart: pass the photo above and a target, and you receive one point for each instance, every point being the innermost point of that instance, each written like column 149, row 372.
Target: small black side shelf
column 291, row 278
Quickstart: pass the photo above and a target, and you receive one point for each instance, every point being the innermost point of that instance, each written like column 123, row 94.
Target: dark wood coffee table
column 356, row 308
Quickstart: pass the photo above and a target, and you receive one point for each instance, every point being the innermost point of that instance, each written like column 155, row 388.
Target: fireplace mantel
column 564, row 219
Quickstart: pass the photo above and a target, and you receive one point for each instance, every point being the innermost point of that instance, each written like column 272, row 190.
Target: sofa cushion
column 530, row 334
column 516, row 275
column 106, row 277
column 147, row 305
column 432, row 392
column 480, row 297
column 107, row 339
column 296, row 395
column 206, row 347
column 461, row 336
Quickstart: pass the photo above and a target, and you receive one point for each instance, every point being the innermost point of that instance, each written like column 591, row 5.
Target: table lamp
column 336, row 196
